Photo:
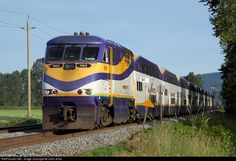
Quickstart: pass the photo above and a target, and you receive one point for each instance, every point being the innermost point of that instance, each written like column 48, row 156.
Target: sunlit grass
column 211, row 135
column 164, row 141
column 19, row 116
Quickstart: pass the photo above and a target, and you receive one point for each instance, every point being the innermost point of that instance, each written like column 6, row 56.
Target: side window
column 128, row 57
column 139, row 86
column 172, row 101
column 153, row 98
column 149, row 70
column 106, row 55
column 166, row 92
column 142, row 68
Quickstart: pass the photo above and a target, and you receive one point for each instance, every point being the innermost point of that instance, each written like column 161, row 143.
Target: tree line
column 14, row 86
column 223, row 18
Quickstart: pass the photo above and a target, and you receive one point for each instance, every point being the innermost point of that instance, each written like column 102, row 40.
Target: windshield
column 55, row 53
column 72, row 53
column 90, row 53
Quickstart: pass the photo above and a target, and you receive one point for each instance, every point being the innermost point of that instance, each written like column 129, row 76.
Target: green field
column 19, row 116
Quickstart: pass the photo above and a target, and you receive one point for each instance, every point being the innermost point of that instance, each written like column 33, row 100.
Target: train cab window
column 55, row 53
column 128, row 57
column 72, row 53
column 105, row 56
column 90, row 53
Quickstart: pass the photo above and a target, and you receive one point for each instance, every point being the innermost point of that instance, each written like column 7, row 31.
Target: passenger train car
column 91, row 82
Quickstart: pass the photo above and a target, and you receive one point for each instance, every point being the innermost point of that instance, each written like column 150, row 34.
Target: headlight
column 50, row 91
column 88, row 91
column 47, row 91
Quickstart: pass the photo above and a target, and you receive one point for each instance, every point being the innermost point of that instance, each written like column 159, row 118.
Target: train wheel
column 106, row 118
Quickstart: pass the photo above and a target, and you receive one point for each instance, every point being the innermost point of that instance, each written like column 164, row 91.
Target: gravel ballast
column 76, row 145
column 16, row 134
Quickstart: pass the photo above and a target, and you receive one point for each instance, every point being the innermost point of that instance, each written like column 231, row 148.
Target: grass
column 181, row 140
column 211, row 135
column 11, row 117
column 110, row 150
column 18, row 107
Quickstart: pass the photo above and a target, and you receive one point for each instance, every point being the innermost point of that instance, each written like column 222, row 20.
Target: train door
column 106, row 112
column 167, row 101
column 178, row 103
column 161, row 98
column 182, row 104
column 107, row 83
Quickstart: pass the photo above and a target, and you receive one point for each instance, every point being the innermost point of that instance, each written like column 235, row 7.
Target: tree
column 195, row 79
column 224, row 21
column 24, row 87
column 2, row 90
column 37, row 78
column 12, row 86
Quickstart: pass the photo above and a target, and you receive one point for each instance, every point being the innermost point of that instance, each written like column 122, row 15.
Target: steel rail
column 19, row 128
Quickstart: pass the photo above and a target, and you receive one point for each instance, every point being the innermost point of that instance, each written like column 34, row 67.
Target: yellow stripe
column 114, row 95
column 165, row 105
column 78, row 73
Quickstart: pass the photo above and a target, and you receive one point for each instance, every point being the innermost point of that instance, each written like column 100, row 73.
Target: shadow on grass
column 225, row 120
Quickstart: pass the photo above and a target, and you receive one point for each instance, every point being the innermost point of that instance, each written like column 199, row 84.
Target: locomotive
column 90, row 82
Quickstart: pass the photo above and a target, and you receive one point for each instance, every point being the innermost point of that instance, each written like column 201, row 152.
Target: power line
column 44, row 32
column 7, row 26
column 39, row 37
column 53, row 28
column 14, row 12
column 9, row 23
column 13, row 25
column 35, row 19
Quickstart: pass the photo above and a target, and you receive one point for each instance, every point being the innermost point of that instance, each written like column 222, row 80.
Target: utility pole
column 29, row 112
column 28, row 66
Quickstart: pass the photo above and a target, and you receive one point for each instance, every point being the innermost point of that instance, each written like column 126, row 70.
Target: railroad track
column 47, row 136
column 21, row 128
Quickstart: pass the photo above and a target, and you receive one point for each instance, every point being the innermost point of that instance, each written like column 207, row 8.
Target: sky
column 176, row 35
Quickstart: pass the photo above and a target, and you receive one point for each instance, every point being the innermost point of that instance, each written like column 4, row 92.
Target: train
column 90, row 82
